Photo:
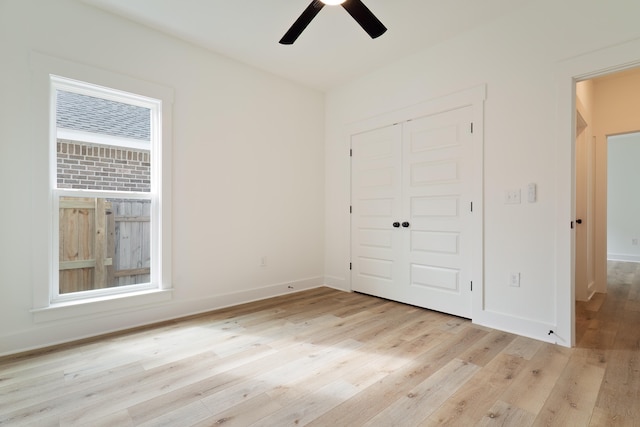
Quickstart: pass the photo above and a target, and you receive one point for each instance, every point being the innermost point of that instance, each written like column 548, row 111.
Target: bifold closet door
column 437, row 190
column 376, row 197
column 411, row 212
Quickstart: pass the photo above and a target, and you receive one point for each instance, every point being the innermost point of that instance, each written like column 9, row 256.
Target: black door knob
column 578, row 221
column 405, row 224
column 396, row 224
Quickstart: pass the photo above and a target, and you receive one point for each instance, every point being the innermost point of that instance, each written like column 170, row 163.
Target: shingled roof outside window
column 102, row 116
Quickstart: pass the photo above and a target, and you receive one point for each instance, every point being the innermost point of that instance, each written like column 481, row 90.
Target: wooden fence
column 103, row 243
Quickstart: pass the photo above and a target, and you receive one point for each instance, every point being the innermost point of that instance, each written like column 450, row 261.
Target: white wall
column 248, row 167
column 519, row 58
column 623, row 199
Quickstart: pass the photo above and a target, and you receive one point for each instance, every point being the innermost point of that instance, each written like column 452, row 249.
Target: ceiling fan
column 356, row 9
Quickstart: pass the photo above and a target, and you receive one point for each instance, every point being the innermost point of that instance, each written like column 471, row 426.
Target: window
column 106, row 188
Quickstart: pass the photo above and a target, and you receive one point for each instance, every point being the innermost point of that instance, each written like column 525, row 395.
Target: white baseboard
column 623, row 257
column 339, row 283
column 591, row 289
column 46, row 334
column 520, row 326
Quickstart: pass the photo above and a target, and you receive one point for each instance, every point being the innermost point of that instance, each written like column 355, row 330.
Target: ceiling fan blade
column 365, row 18
column 301, row 23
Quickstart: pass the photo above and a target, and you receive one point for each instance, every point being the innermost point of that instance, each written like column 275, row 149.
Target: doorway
column 605, row 240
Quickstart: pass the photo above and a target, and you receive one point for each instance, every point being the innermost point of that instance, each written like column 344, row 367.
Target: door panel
column 435, row 242
column 376, row 205
column 436, row 207
column 435, row 278
column 433, row 172
column 437, row 195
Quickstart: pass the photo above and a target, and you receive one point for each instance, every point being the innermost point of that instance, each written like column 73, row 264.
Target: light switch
column 514, row 280
column 512, row 197
column 532, row 192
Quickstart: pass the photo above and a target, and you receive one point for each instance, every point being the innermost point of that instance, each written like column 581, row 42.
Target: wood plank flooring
column 608, row 335
column 329, row 358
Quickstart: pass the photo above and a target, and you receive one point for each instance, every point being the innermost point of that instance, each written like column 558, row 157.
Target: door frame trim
column 473, row 97
column 583, row 67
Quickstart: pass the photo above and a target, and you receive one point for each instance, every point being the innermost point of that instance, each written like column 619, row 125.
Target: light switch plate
column 532, row 192
column 512, row 197
column 514, row 280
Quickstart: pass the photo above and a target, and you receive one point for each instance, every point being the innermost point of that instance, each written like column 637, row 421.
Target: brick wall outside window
column 99, row 167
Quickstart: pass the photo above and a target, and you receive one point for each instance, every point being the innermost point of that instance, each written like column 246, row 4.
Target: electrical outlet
column 514, row 280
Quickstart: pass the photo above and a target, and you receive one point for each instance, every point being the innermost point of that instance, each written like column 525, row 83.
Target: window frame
column 43, row 135
column 155, row 107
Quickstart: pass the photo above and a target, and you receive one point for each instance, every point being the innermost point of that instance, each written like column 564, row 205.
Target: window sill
column 91, row 306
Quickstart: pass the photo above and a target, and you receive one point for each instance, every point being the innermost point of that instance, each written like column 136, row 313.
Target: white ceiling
column 331, row 51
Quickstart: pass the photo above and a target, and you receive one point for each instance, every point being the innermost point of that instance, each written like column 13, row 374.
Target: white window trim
column 96, row 138
column 45, row 265
column 155, row 106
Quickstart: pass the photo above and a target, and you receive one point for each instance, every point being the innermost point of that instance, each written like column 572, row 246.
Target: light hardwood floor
column 328, row 358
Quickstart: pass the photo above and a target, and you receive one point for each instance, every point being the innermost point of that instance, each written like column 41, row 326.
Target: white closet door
column 376, row 198
column 437, row 189
column 411, row 220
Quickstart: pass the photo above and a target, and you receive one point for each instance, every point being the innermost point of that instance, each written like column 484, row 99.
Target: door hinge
column 350, row 152
column 472, row 286
column 471, row 127
column 471, row 206
column 351, row 209
column 350, row 266
column 572, row 225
